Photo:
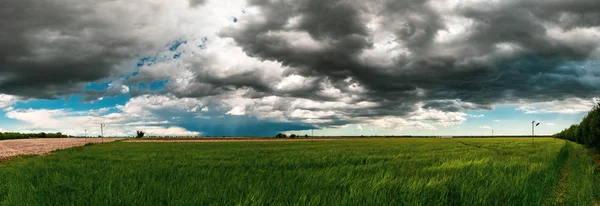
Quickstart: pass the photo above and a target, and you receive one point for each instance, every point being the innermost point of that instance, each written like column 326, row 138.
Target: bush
column 140, row 134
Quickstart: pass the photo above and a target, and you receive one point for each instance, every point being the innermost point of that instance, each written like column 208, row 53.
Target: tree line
column 587, row 132
column 17, row 135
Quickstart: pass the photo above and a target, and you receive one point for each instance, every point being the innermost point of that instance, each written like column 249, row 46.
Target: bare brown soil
column 17, row 147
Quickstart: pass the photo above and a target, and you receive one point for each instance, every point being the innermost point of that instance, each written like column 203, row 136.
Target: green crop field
column 508, row 171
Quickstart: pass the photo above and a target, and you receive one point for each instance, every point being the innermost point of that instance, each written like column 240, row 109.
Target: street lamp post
column 533, row 125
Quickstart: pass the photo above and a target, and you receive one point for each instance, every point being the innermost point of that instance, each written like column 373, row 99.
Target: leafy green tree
column 587, row 132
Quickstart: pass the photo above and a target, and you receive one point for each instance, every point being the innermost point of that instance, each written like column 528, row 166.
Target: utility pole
column 85, row 133
column 492, row 133
column 102, row 131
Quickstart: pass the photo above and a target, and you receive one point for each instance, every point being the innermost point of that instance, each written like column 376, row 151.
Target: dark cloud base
column 241, row 126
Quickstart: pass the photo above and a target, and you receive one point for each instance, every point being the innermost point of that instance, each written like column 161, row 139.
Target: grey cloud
column 453, row 106
column 194, row 3
column 509, row 52
column 470, row 68
column 52, row 48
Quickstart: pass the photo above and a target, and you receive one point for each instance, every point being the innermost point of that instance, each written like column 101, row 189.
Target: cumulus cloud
column 7, row 100
column 304, row 63
column 122, row 123
column 567, row 106
column 236, row 111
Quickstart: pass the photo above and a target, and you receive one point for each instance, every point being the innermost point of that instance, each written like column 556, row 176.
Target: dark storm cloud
column 530, row 72
column 51, row 48
column 403, row 55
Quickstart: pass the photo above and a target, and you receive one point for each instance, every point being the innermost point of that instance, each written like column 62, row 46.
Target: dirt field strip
column 17, row 147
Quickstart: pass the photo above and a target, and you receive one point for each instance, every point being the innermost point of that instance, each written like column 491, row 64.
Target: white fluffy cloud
column 120, row 121
column 236, row 111
column 7, row 100
column 567, row 106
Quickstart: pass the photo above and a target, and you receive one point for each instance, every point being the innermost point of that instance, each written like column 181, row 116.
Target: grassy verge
column 352, row 172
column 583, row 179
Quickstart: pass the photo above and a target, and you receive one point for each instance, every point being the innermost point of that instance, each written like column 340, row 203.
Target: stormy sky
column 259, row 67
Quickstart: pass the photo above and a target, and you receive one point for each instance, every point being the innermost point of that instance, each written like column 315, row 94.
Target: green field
column 506, row 171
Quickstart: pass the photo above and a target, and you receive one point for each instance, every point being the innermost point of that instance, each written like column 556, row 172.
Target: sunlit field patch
column 386, row 171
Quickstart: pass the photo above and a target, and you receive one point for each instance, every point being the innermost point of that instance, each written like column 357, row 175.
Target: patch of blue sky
column 74, row 103
column 504, row 120
column 8, row 124
column 176, row 44
column 153, row 86
column 141, row 85
column 158, row 85
column 177, row 55
column 508, row 120
column 97, row 86
column 235, row 20
column 148, row 61
column 204, row 41
column 132, row 74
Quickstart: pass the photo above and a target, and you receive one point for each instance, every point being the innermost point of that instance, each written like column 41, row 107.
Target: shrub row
column 587, row 132
column 16, row 135
column 281, row 135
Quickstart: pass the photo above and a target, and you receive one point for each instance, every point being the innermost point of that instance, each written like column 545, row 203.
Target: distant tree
column 305, row 136
column 281, row 135
column 140, row 134
column 293, row 136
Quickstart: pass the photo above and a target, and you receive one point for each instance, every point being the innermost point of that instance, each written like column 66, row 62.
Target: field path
column 561, row 190
column 17, row 147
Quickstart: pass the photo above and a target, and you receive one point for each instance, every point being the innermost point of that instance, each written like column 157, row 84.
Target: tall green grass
column 347, row 172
